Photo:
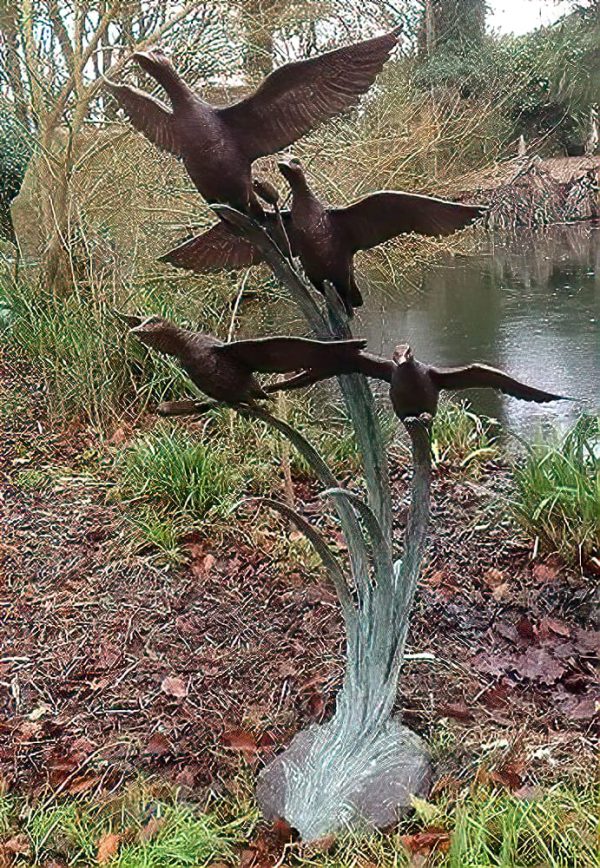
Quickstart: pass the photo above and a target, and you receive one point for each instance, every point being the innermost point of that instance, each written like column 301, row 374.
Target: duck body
column 219, row 144
column 226, row 371
column 216, row 373
column 322, row 250
column 412, row 391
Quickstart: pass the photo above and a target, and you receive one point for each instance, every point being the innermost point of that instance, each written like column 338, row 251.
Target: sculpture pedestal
column 330, row 779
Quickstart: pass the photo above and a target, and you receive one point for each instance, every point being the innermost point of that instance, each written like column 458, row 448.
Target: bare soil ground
column 111, row 665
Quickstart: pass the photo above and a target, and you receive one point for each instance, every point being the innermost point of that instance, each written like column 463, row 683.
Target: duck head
column 403, row 355
column 151, row 61
column 158, row 333
column 292, row 171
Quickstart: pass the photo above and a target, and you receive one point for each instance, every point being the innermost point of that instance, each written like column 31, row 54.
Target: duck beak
column 131, row 320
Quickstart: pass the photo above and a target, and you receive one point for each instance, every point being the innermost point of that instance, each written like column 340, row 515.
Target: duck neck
column 172, row 82
column 172, row 341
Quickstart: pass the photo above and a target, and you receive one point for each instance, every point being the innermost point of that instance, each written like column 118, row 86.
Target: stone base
column 329, row 780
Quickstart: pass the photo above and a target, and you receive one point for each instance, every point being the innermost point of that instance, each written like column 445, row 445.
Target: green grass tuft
column 558, row 491
column 461, row 439
column 487, row 829
column 177, row 482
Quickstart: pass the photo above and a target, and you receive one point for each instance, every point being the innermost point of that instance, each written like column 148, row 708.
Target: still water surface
column 529, row 304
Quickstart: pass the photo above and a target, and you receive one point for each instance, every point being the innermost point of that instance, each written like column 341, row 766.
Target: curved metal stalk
column 362, row 765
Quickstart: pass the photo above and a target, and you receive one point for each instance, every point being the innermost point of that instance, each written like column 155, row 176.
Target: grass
column 557, row 491
column 461, row 439
column 154, row 828
column 90, row 370
column 486, row 828
column 177, row 481
column 140, row 829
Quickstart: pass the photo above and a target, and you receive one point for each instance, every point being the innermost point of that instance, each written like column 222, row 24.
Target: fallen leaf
column 186, row 778
column 580, row 707
column 240, row 739
column 525, row 629
column 494, row 577
column 431, row 839
column 316, row 705
column 501, row 592
column 426, row 811
column 553, row 626
column 174, row 687
column 544, row 573
column 587, row 641
column 108, row 846
column 536, row 664
column 39, row 712
column 318, row 846
column 529, row 793
column 507, row 777
column 456, row 710
column 282, row 830
column 18, row 845
column 82, row 785
column 158, row 744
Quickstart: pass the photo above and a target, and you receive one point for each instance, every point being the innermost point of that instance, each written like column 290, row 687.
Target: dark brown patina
column 225, row 372
column 219, row 145
column 326, row 239
column 415, row 387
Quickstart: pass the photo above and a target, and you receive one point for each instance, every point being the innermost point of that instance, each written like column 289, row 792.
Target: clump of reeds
column 557, row 498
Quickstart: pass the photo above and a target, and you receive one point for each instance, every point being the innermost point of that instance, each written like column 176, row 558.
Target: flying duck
column 415, row 387
column 225, row 372
column 327, row 238
column 219, row 145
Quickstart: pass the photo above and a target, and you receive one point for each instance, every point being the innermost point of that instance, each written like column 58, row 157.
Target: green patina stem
column 329, row 778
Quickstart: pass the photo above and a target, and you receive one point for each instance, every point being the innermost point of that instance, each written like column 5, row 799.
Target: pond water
column 529, row 304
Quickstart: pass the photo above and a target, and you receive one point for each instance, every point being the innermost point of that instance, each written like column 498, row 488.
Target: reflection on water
column 530, row 305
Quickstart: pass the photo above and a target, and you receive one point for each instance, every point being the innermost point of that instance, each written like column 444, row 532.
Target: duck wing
column 148, row 115
column 383, row 215
column 376, row 367
column 297, row 97
column 283, row 354
column 218, row 249
column 482, row 376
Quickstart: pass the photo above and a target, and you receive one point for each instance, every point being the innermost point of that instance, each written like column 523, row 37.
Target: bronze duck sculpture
column 325, row 238
column 219, row 145
column 415, row 387
column 225, row 372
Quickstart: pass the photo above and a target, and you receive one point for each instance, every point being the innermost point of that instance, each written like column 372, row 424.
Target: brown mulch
column 110, row 664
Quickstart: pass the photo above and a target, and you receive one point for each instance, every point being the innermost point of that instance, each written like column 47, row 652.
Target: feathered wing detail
column 283, row 354
column 217, row 249
column 375, row 367
column 384, row 215
column 148, row 115
column 484, row 377
column 297, row 97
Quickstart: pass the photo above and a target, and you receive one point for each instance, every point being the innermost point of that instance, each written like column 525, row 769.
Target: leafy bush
column 558, row 491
